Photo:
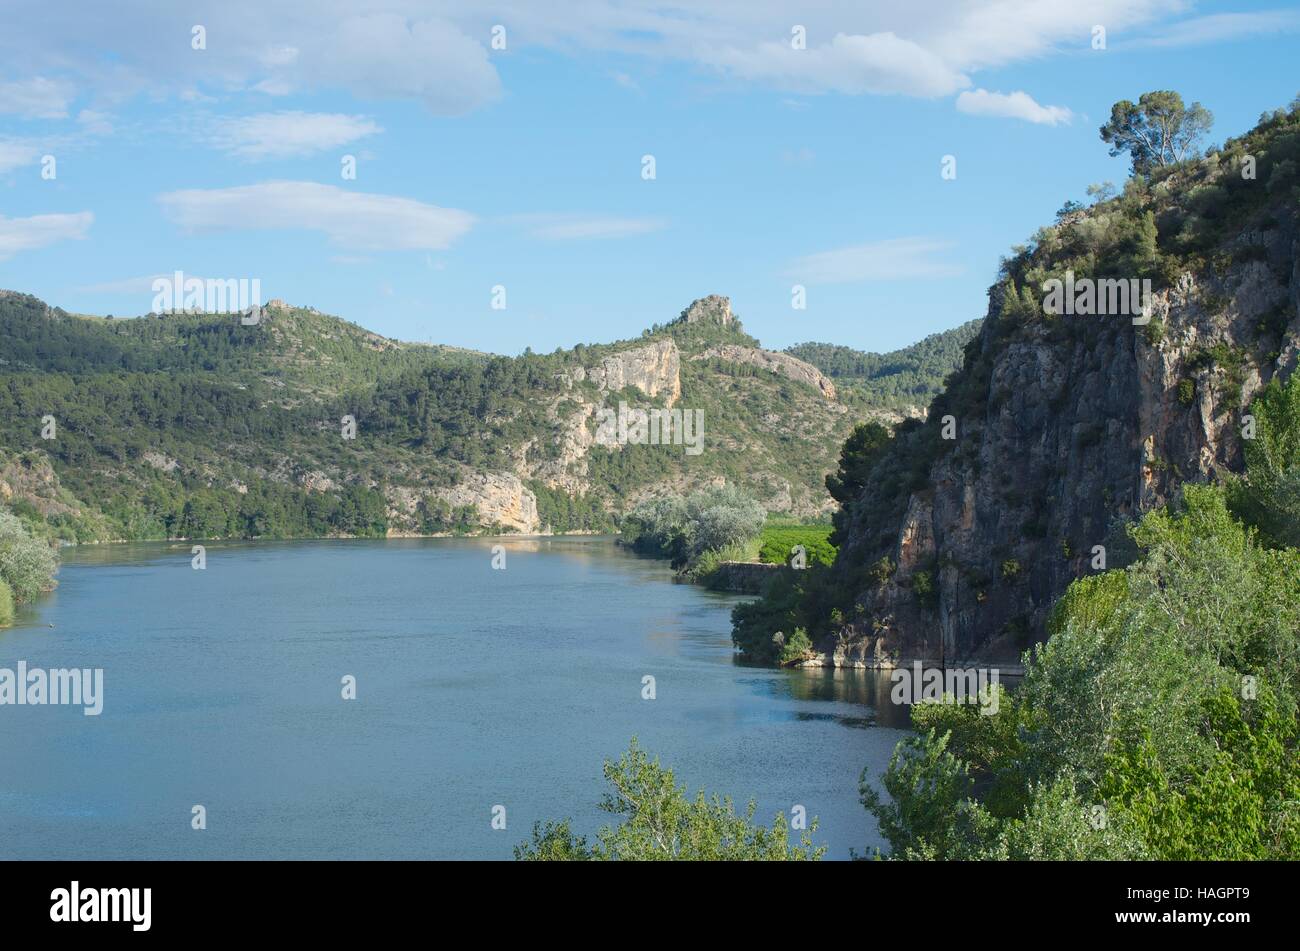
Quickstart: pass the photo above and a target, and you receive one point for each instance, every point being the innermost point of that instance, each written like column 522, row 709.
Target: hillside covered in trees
column 203, row 426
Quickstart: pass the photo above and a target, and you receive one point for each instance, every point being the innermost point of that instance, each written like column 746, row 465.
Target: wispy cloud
column 276, row 135
column 888, row 260
column 39, row 231
column 37, row 98
column 1220, row 28
column 355, row 220
column 15, row 153
column 575, row 227
column 875, row 63
column 437, row 52
column 1016, row 105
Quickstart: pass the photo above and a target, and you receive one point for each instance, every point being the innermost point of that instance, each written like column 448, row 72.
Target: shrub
column 27, row 564
column 6, row 605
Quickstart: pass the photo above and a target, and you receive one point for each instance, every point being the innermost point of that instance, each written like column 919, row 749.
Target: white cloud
column 37, row 98
column 436, row 51
column 275, row 135
column 879, row 63
column 15, row 153
column 94, row 122
column 1016, row 105
column 39, row 231
column 888, row 260
column 353, row 220
column 570, row 227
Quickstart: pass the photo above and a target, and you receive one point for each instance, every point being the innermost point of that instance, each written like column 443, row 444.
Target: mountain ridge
column 184, row 425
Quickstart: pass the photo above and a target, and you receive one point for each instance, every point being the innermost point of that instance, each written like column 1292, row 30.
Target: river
column 475, row 688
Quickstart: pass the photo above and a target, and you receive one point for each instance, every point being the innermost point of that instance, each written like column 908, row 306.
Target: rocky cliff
column 1060, row 429
column 782, row 364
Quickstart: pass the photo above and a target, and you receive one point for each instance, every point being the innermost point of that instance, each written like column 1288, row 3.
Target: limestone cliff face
column 1084, row 423
column 712, row 309
column 500, row 498
column 780, row 363
column 654, row 369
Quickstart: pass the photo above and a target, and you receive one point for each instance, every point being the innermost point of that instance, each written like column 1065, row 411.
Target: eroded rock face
column 654, row 369
column 780, row 363
column 500, row 498
column 1083, row 430
column 712, row 309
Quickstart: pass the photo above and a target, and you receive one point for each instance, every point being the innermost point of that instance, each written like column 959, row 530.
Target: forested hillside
column 183, row 425
column 901, row 379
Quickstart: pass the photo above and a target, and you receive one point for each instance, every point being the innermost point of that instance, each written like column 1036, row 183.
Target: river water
column 475, row 688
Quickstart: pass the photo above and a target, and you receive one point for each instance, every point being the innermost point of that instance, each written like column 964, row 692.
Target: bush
column 683, row 529
column 6, row 605
column 660, row 822
column 1166, row 696
column 27, row 564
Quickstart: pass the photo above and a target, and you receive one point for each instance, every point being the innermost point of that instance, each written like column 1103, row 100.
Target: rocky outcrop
column 1072, row 427
column 654, row 369
column 712, row 309
column 782, row 364
column 500, row 499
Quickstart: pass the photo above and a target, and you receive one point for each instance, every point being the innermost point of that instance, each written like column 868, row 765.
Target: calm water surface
column 476, row 687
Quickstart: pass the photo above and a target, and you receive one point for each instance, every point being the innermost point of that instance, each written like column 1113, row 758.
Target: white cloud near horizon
column 39, row 231
column 886, row 260
column 1016, row 105
column 355, row 220
column 288, row 134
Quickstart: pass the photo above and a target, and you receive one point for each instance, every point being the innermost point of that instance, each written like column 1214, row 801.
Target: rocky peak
column 712, row 309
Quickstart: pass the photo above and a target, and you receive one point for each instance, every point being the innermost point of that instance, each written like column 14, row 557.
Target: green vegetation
column 1157, row 130
column 899, row 380
column 6, row 604
column 661, row 823
column 1269, row 493
column 1159, row 721
column 196, row 425
column 696, row 531
column 777, row 543
column 27, row 565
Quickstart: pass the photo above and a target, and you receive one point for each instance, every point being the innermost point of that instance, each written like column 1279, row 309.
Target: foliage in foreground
column 1159, row 721
column 660, row 822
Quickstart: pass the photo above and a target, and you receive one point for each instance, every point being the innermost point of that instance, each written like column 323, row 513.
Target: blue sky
column 522, row 167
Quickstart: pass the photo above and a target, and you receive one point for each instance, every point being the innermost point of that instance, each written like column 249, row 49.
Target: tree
column 1157, row 130
column 861, row 450
column 27, row 563
column 660, row 822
